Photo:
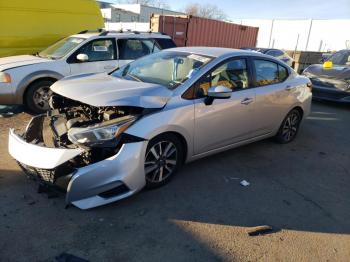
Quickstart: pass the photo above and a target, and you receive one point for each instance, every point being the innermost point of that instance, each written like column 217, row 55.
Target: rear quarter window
column 165, row 43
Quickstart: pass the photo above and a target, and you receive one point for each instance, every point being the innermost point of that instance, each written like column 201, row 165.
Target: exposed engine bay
column 71, row 124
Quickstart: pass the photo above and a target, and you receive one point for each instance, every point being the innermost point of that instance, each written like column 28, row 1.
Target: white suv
column 26, row 79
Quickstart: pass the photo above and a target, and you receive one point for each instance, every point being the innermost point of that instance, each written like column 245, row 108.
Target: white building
column 303, row 35
column 133, row 13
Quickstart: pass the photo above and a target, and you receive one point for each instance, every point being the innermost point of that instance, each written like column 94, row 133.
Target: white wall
column 141, row 27
column 333, row 33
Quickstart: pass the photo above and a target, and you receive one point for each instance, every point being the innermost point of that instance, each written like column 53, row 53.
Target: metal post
column 273, row 21
column 308, row 36
column 296, row 47
column 320, row 47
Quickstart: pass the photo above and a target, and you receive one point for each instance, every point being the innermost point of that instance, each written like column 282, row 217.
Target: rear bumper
column 86, row 187
column 330, row 94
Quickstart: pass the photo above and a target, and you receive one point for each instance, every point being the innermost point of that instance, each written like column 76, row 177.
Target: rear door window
column 131, row 49
column 268, row 72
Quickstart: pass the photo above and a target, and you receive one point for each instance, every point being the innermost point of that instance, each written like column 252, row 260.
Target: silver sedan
column 108, row 136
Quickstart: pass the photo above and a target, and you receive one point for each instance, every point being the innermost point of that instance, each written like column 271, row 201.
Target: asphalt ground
column 301, row 190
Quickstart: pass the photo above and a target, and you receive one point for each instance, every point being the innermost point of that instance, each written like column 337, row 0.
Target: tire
column 289, row 127
column 169, row 150
column 37, row 96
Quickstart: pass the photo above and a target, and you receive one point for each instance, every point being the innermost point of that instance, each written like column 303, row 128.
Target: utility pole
column 296, row 47
column 273, row 21
column 308, row 36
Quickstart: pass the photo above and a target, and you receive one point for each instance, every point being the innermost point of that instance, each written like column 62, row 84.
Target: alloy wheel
column 290, row 126
column 41, row 98
column 161, row 160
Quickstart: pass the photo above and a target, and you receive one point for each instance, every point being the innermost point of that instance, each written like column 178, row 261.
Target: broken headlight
column 101, row 133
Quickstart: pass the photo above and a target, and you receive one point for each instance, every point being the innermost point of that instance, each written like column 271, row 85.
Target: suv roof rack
column 104, row 33
column 99, row 30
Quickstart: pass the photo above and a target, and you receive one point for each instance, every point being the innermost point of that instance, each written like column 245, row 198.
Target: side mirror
column 83, row 57
column 217, row 92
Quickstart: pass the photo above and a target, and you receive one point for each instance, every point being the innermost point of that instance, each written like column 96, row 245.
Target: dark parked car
column 280, row 54
column 333, row 82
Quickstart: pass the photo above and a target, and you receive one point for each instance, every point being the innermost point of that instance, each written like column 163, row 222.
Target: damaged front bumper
column 102, row 182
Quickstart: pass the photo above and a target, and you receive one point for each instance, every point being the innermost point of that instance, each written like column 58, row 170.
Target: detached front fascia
column 38, row 156
column 91, row 185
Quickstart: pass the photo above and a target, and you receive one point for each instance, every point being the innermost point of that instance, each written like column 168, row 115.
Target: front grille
column 46, row 175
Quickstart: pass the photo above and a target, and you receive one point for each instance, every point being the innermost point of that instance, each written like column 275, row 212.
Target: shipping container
column 30, row 26
column 196, row 31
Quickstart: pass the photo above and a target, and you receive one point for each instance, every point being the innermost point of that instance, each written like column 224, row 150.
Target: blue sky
column 300, row 9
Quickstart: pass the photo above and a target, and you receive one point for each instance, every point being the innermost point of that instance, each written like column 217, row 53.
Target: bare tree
column 206, row 11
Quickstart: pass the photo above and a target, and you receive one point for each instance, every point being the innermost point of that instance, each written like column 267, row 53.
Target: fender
column 26, row 81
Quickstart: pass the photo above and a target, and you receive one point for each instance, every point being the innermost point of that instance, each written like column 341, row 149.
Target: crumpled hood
column 20, row 60
column 337, row 71
column 105, row 90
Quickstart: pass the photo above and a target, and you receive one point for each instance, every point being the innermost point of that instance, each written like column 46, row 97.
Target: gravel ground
column 204, row 214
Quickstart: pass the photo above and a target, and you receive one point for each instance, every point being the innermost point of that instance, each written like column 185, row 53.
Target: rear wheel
column 163, row 158
column 289, row 127
column 38, row 95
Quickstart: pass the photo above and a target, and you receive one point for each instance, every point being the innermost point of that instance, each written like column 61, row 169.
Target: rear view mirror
column 217, row 92
column 82, row 57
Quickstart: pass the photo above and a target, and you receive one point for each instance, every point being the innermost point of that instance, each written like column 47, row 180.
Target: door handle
column 246, row 101
column 288, row 88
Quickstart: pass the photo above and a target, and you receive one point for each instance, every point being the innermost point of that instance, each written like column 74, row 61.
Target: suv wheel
column 163, row 158
column 289, row 127
column 38, row 95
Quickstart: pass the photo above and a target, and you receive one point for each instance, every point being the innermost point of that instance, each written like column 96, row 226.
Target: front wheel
column 38, row 95
column 289, row 127
column 163, row 158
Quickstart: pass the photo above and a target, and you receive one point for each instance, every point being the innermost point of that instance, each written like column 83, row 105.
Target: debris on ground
column 65, row 257
column 245, row 183
column 260, row 230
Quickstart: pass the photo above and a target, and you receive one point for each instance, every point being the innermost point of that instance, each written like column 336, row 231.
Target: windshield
column 340, row 58
column 167, row 68
column 61, row 48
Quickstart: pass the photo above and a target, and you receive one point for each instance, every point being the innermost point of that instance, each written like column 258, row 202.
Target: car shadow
column 301, row 186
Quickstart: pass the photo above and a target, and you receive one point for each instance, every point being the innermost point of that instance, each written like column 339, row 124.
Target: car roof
column 213, row 51
column 126, row 34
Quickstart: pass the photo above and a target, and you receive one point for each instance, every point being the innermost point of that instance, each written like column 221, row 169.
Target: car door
column 273, row 94
column 225, row 121
column 131, row 49
column 101, row 57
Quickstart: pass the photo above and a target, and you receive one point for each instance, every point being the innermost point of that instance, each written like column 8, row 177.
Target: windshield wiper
column 134, row 77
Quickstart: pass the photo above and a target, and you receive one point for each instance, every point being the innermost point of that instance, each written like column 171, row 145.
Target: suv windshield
column 340, row 58
column 167, row 68
column 61, row 48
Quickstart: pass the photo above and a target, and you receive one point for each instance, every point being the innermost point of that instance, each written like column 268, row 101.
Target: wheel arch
column 32, row 78
column 182, row 140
